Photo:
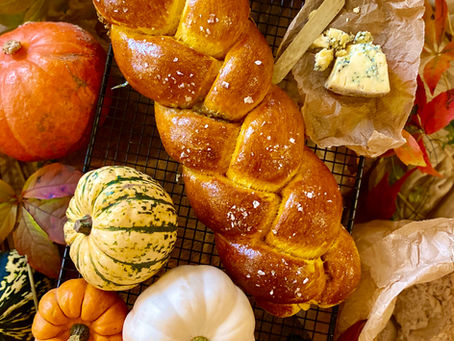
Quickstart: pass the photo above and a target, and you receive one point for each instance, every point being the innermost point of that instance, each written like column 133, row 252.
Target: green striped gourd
column 16, row 299
column 121, row 227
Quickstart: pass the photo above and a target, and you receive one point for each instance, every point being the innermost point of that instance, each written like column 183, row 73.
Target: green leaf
column 50, row 215
column 30, row 240
column 8, row 210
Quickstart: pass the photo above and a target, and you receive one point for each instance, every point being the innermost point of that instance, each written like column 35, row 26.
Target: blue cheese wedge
column 362, row 72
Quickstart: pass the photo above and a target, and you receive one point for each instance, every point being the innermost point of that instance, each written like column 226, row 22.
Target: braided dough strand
column 274, row 206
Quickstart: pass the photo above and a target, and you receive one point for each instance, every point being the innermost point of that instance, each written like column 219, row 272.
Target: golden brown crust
column 162, row 68
column 154, row 17
column 229, row 208
column 195, row 140
column 343, row 269
column 274, row 206
column 265, row 159
column 309, row 217
column 244, row 79
column 211, row 27
column 270, row 274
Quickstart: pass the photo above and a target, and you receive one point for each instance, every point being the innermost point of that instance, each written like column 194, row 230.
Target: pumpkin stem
column 11, row 46
column 199, row 338
column 79, row 332
column 83, row 225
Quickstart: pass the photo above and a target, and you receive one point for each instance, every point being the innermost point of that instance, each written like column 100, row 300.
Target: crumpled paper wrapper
column 394, row 256
column 369, row 126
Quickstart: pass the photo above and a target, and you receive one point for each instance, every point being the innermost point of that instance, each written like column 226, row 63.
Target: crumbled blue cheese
column 332, row 39
column 363, row 37
column 362, row 72
column 323, row 59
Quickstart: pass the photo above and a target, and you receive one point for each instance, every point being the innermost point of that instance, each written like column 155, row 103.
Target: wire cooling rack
column 129, row 137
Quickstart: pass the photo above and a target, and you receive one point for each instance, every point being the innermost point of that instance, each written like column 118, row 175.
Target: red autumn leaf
column 410, row 153
column 381, row 200
column 449, row 49
column 420, row 102
column 428, row 169
column 30, row 240
column 441, row 14
column 51, row 181
column 429, row 20
column 353, row 332
column 434, row 68
column 438, row 113
column 421, row 98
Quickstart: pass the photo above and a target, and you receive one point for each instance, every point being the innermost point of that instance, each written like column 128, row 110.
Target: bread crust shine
column 274, row 206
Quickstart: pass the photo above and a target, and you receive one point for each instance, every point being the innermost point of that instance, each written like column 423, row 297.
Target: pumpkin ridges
column 133, row 231
column 127, row 197
column 92, row 307
column 43, row 329
column 104, row 326
column 69, row 115
column 106, row 280
column 49, row 309
column 95, row 305
column 9, row 140
column 142, row 229
column 70, row 297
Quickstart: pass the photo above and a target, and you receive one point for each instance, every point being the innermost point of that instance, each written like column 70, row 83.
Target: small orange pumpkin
column 50, row 76
column 77, row 311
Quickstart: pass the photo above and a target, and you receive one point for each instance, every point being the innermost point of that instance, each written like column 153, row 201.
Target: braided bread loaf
column 274, row 206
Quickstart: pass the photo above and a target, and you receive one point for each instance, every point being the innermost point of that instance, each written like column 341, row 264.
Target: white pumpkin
column 191, row 303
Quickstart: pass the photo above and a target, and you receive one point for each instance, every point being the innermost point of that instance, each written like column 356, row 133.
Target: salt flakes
column 175, row 59
column 212, row 18
column 225, row 84
column 306, row 280
column 248, row 100
column 255, row 203
column 258, row 62
column 356, row 9
column 261, row 273
column 271, row 292
column 292, row 140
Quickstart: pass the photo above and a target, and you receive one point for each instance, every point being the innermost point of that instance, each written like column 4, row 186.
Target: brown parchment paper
column 394, row 256
column 369, row 126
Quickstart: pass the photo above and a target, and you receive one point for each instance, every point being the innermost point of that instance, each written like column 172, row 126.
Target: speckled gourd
column 121, row 227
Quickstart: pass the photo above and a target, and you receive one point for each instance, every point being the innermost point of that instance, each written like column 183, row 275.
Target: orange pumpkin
column 77, row 311
column 50, row 76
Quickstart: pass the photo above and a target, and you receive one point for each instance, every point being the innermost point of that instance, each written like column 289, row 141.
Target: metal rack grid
column 128, row 136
